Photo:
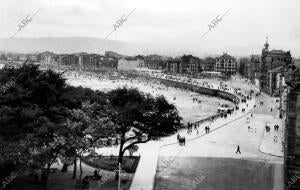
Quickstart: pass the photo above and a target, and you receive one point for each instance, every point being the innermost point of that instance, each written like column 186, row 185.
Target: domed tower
column 265, row 50
column 267, row 44
column 263, row 68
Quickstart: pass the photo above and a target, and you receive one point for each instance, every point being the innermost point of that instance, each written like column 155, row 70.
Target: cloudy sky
column 168, row 25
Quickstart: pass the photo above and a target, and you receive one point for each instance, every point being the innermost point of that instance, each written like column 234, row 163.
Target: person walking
column 238, row 150
column 195, row 126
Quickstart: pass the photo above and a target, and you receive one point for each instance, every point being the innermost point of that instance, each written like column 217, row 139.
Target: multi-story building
column 22, row 57
column 292, row 131
column 208, row 64
column 271, row 60
column 297, row 62
column 226, row 64
column 173, row 66
column 94, row 60
column 128, row 64
column 255, row 69
column 244, row 66
column 3, row 57
column 249, row 67
column 190, row 65
column 46, row 57
column 33, row 57
column 275, row 81
column 84, row 59
column 155, row 62
column 67, row 59
column 110, row 63
column 12, row 57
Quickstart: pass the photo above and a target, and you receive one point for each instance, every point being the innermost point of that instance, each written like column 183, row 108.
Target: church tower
column 265, row 50
column 267, row 44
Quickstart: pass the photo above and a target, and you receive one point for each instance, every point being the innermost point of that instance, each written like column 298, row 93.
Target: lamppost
column 119, row 180
column 119, row 170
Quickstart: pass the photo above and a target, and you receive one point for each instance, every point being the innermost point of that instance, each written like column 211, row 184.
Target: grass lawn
column 213, row 174
column 64, row 181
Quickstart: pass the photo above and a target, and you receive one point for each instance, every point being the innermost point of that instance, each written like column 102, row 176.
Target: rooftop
column 226, row 56
column 278, row 52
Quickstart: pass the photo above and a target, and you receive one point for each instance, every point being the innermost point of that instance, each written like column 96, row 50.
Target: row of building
column 76, row 60
column 186, row 65
column 277, row 73
column 267, row 70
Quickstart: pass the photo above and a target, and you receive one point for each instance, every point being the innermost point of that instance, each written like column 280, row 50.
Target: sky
column 166, row 25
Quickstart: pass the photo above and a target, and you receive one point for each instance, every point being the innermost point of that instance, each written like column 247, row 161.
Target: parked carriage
column 268, row 127
column 181, row 140
column 224, row 108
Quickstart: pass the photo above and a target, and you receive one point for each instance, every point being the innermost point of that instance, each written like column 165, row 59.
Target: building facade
column 270, row 61
column 173, row 66
column 275, row 81
column 155, row 62
column 292, row 131
column 208, row 64
column 129, row 64
column 255, row 69
column 226, row 64
column 249, row 67
column 190, row 65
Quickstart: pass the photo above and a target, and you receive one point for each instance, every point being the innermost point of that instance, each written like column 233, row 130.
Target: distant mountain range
column 67, row 45
column 61, row 45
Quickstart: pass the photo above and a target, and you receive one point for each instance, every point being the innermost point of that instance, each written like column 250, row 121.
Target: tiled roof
column 277, row 52
column 226, row 56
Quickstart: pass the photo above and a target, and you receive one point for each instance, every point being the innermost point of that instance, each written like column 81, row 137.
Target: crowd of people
column 156, row 88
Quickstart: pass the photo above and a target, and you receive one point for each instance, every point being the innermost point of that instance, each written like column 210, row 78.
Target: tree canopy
column 141, row 117
column 42, row 118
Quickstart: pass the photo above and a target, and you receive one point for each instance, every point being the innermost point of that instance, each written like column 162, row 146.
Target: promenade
column 222, row 140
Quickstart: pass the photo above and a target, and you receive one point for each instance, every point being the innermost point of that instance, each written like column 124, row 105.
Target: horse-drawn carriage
column 181, row 140
column 268, row 127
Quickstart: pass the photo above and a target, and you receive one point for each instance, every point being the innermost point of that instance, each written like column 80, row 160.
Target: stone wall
column 201, row 90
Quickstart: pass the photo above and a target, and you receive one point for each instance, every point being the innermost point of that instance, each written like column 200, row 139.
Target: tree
column 42, row 119
column 86, row 126
column 133, row 149
column 140, row 117
column 33, row 113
